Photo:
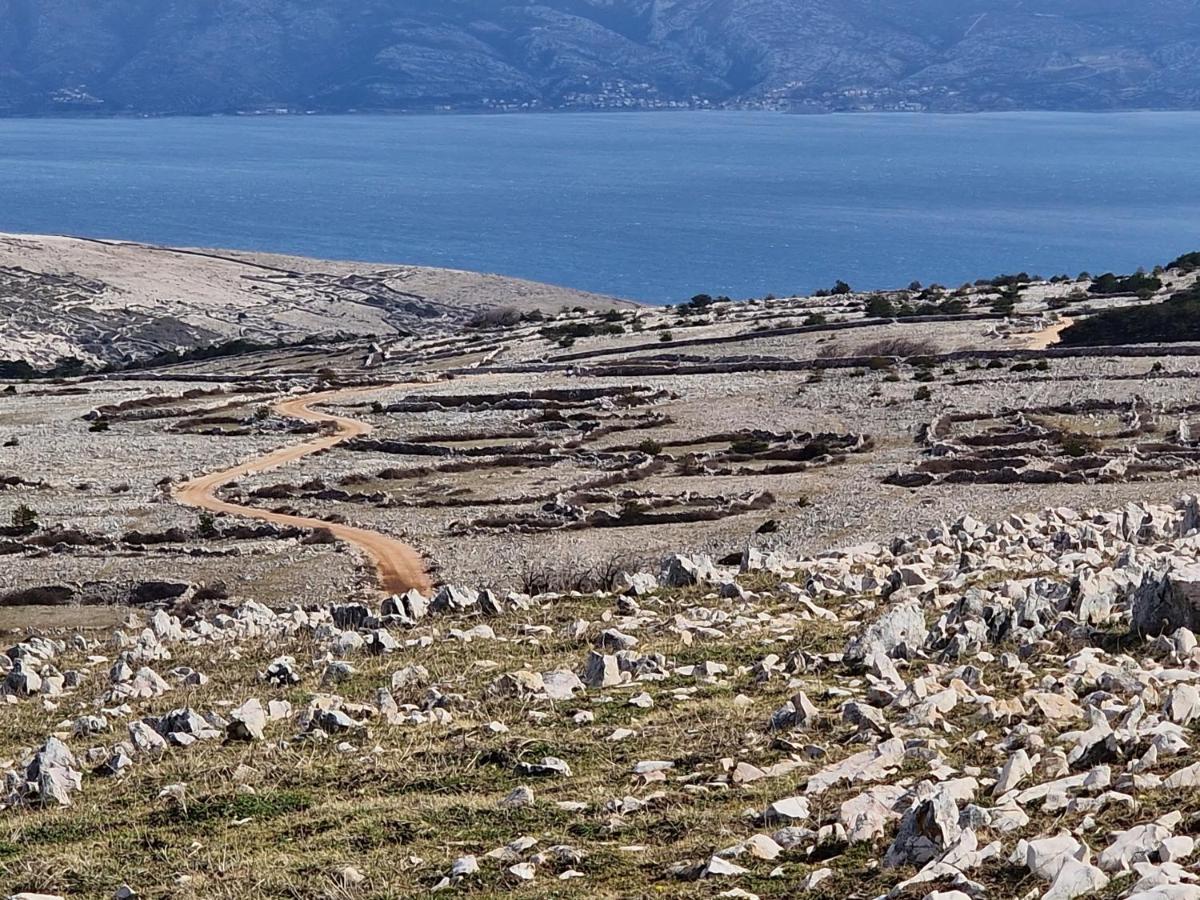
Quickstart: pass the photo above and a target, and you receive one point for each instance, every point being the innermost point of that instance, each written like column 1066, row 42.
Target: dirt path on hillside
column 1048, row 336
column 398, row 564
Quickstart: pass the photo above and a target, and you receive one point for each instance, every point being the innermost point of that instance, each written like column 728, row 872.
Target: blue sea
column 651, row 206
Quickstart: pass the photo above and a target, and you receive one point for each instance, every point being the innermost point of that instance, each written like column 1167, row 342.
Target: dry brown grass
column 406, row 801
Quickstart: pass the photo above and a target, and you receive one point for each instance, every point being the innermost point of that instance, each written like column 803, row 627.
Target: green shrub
column 879, row 307
column 1176, row 320
column 25, row 518
column 1108, row 283
column 206, row 524
column 1188, row 262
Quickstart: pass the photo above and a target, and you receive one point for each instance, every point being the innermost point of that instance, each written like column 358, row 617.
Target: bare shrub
column 564, row 576
column 901, row 347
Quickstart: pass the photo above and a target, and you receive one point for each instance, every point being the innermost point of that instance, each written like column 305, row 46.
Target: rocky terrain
column 848, row 596
column 70, row 301
column 187, row 56
column 979, row 710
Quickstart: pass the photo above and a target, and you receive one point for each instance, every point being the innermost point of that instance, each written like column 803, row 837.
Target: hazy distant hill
column 199, row 56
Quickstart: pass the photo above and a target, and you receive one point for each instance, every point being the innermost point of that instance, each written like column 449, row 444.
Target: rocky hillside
column 1004, row 710
column 108, row 302
column 195, row 56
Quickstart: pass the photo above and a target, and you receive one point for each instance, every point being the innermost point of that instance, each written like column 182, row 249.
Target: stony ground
column 213, row 707
column 999, row 710
column 544, row 451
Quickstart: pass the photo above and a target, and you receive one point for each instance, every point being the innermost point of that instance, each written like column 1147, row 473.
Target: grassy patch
column 262, row 806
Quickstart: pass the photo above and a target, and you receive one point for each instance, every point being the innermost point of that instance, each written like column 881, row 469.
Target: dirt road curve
column 1048, row 336
column 399, row 566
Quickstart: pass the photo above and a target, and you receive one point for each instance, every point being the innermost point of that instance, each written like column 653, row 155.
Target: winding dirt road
column 399, row 565
column 1048, row 336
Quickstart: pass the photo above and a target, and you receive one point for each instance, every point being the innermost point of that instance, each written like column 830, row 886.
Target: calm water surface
column 650, row 206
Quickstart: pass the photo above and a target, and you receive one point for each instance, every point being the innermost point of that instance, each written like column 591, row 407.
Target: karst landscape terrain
column 343, row 580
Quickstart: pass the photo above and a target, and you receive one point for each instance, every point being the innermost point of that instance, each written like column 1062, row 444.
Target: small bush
column 206, row 524
column 903, row 348
column 579, row 330
column 503, row 317
column 25, row 518
column 1076, row 444
column 99, row 426
column 650, row 447
column 666, row 336
column 538, row 577
column 879, row 307
column 923, row 393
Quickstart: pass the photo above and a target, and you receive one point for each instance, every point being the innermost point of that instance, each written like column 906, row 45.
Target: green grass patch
column 58, row 832
column 268, row 805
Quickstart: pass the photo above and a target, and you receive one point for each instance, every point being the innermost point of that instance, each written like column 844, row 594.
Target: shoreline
column 257, row 115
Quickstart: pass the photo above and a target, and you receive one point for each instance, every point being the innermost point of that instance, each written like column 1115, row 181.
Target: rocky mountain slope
column 115, row 302
column 194, row 56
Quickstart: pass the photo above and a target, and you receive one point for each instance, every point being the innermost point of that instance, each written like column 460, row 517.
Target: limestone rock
column 247, row 722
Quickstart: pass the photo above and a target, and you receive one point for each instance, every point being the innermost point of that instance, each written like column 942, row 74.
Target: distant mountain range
column 220, row 56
